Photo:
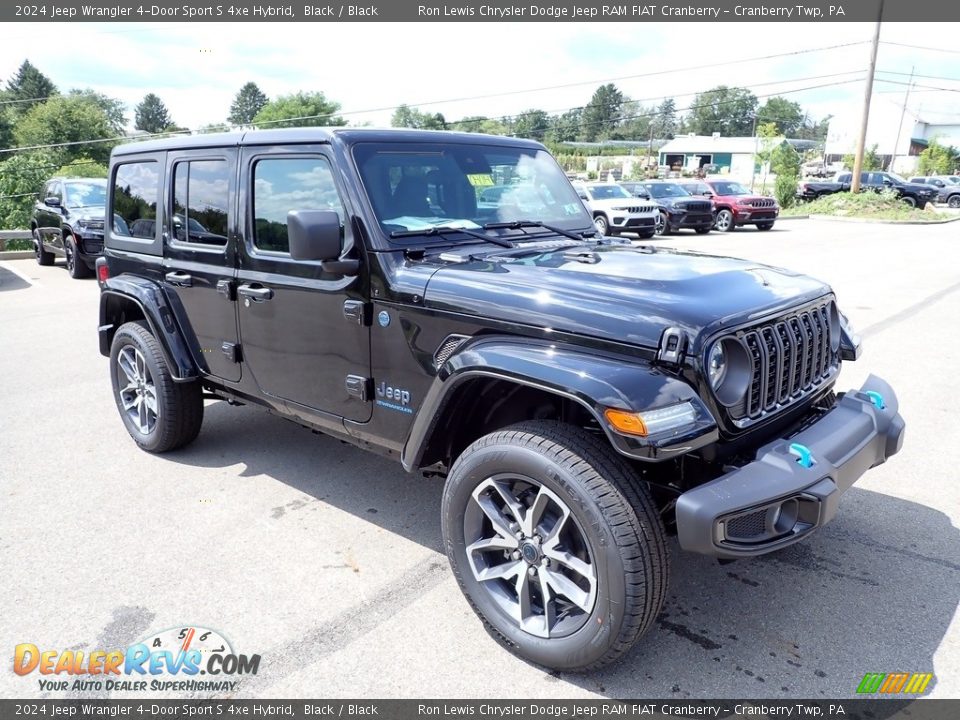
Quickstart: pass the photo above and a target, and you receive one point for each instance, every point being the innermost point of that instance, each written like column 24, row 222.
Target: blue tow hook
column 804, row 456
column 876, row 398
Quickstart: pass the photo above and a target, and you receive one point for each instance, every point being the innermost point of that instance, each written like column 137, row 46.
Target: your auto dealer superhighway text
column 555, row 11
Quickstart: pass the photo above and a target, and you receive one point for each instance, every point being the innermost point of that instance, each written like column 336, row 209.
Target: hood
column 88, row 212
column 626, row 202
column 921, row 189
column 617, row 292
column 683, row 201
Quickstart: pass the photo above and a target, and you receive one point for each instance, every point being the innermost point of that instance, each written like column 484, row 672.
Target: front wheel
column 909, row 201
column 724, row 221
column 159, row 414
column 702, row 230
column 647, row 234
column 953, row 201
column 662, row 226
column 600, row 222
column 557, row 547
column 75, row 265
column 765, row 226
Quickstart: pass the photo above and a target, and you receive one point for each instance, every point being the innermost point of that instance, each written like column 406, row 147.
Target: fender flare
column 595, row 381
column 152, row 301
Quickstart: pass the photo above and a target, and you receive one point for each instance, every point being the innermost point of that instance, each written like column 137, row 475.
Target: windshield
column 730, row 188
column 417, row 186
column 896, row 178
column 84, row 194
column 662, row 190
column 606, row 192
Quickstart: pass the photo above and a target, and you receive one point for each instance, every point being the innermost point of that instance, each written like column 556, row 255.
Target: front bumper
column 682, row 220
column 634, row 222
column 776, row 500
column 746, row 216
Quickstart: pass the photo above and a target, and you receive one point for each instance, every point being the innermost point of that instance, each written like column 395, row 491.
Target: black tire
column 179, row 405
column 764, row 226
column 43, row 257
column 601, row 223
column 75, row 265
column 663, row 224
column 702, row 230
column 725, row 221
column 953, row 201
column 609, row 511
column 647, row 234
column 909, row 201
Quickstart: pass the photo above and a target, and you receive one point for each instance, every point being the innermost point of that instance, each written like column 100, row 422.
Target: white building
column 901, row 141
column 735, row 156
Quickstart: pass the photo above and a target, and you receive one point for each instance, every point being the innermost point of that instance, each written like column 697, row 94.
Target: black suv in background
column 584, row 398
column 915, row 194
column 68, row 221
column 679, row 209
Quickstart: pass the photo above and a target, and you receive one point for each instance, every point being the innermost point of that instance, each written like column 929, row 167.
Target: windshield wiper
column 520, row 224
column 446, row 229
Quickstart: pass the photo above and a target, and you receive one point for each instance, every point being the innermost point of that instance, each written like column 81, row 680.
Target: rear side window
column 136, row 187
column 284, row 184
column 200, row 198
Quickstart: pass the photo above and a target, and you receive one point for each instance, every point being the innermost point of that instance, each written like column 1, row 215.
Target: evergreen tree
column 151, row 115
column 248, row 102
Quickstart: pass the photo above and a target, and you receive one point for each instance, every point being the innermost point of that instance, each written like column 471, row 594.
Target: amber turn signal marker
column 625, row 422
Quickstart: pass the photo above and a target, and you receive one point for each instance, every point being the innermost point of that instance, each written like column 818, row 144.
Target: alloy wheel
column 527, row 551
column 138, row 393
column 724, row 220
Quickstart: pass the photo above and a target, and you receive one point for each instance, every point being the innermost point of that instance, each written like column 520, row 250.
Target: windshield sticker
column 481, row 180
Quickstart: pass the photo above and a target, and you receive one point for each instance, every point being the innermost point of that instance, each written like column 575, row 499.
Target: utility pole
column 753, row 165
column 903, row 114
column 867, row 95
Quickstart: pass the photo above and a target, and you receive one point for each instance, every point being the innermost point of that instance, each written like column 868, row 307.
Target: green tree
column 871, row 160
column 249, row 100
column 481, row 124
column 408, row 117
column 21, row 176
column 785, row 162
column 664, row 123
column 76, row 118
column 26, row 86
column 602, row 114
column 6, row 128
column 565, row 127
column 634, row 122
column 938, row 159
column 768, row 138
column 726, row 110
column 786, row 115
column 111, row 107
column 302, row 109
column 214, row 128
column 151, row 115
column 83, row 168
column 532, row 124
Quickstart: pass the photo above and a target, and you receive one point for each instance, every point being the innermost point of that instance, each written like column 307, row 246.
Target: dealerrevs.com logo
column 193, row 659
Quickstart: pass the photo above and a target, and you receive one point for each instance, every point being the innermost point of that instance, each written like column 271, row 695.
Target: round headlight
column 716, row 365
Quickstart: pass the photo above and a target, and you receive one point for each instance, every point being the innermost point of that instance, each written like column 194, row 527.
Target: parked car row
column 915, row 194
column 948, row 187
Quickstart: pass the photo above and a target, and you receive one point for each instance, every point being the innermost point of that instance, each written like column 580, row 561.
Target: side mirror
column 52, row 201
column 318, row 235
column 707, row 193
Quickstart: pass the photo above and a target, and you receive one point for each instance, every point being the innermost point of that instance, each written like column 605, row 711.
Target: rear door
column 304, row 333
column 199, row 262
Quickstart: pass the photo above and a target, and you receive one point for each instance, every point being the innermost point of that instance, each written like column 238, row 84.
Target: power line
column 921, row 47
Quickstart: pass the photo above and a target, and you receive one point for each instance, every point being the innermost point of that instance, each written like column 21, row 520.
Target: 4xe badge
column 393, row 398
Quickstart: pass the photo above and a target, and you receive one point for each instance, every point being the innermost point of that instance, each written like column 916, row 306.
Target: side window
column 135, row 189
column 284, row 184
column 58, row 192
column 200, row 200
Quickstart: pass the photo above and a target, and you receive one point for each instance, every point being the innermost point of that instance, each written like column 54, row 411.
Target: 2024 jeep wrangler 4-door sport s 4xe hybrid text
column 583, row 397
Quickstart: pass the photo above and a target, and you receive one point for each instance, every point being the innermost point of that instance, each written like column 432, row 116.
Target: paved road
column 326, row 560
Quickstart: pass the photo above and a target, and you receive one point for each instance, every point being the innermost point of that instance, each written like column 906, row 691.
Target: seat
column 410, row 197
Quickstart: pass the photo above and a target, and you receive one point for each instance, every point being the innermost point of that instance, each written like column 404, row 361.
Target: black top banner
column 475, row 11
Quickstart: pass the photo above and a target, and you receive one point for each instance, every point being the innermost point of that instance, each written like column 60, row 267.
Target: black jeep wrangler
column 584, row 397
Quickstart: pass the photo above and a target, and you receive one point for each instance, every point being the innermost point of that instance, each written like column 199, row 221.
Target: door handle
column 255, row 293
column 179, row 279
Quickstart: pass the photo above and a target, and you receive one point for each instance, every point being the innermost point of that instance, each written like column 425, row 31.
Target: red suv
column 736, row 205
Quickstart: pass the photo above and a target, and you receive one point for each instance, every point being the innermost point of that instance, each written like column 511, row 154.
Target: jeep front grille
column 696, row 207
column 789, row 358
column 635, row 209
column 760, row 202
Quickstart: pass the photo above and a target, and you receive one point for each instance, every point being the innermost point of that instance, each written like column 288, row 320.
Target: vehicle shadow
column 874, row 591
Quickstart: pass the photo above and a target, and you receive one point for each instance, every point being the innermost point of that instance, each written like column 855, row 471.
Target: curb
column 872, row 221
column 793, row 217
column 16, row 254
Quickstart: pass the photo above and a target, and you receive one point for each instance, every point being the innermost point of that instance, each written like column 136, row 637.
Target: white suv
column 615, row 210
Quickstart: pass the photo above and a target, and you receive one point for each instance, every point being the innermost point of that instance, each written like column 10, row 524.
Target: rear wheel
column 600, row 222
column 159, row 414
column 557, row 547
column 43, row 257
column 75, row 265
column 724, row 221
column 764, row 225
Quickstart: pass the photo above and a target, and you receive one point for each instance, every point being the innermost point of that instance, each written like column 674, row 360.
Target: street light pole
column 867, row 95
column 753, row 165
column 903, row 114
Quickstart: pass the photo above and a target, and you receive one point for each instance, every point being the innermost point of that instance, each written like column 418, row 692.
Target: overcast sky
column 370, row 68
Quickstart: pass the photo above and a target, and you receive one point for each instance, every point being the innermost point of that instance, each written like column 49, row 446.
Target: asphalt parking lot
column 326, row 560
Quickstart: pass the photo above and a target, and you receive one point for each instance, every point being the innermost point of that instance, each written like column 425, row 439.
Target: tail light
column 103, row 272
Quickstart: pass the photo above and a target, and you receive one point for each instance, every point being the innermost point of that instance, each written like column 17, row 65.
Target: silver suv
column 615, row 210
